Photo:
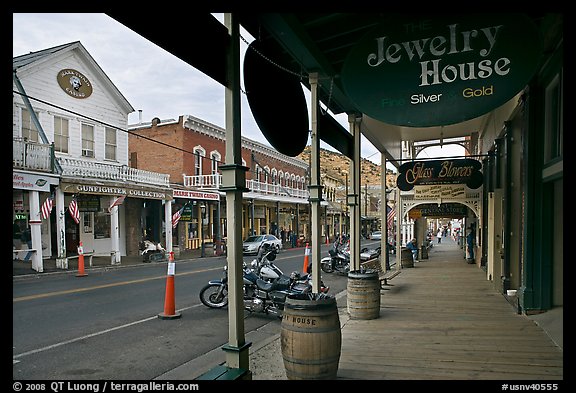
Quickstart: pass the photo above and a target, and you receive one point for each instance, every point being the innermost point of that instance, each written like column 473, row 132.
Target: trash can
column 424, row 252
column 406, row 257
column 310, row 336
column 363, row 294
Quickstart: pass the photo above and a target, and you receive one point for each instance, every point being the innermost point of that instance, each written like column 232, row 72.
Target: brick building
column 190, row 151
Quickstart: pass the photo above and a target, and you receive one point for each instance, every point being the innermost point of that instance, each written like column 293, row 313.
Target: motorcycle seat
column 264, row 285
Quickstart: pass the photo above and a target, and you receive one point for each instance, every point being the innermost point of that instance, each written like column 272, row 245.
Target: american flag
column 390, row 216
column 117, row 202
column 47, row 207
column 176, row 217
column 73, row 210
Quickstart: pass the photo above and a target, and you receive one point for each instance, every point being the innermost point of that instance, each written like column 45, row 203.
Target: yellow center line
column 78, row 290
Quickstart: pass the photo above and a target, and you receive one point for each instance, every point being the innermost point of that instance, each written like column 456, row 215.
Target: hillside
column 337, row 165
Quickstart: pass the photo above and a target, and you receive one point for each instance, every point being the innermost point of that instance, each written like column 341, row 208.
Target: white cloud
column 151, row 79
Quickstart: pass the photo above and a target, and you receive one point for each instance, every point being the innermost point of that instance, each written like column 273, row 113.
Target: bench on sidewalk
column 16, row 253
column 88, row 255
column 383, row 276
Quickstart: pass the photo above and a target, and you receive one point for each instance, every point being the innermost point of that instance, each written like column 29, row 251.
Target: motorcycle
column 264, row 266
column 259, row 295
column 367, row 254
column 152, row 252
column 337, row 261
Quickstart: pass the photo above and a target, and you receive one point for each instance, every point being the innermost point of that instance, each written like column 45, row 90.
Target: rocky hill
column 337, row 165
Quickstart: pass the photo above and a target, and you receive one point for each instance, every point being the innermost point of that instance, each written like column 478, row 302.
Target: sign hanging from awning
column 435, row 191
column 426, row 72
column 458, row 171
column 432, row 210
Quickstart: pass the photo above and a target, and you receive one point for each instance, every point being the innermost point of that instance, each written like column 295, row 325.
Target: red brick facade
column 173, row 154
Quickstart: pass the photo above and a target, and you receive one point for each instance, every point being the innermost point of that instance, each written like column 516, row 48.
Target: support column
column 399, row 220
column 168, row 224
column 314, row 186
column 61, row 260
column 234, row 184
column 35, row 222
column 384, row 262
column 114, row 233
column 354, row 196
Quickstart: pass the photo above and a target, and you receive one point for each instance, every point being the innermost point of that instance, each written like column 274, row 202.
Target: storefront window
column 101, row 226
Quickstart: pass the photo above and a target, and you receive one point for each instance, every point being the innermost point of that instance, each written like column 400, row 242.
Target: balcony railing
column 214, row 181
column 83, row 168
column 32, row 155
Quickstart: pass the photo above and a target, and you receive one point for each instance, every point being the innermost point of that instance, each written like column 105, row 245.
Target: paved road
column 105, row 325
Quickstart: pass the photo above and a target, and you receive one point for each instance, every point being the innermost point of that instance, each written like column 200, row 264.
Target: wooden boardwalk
column 442, row 320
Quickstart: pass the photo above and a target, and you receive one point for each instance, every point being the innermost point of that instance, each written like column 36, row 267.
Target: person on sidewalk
column 439, row 235
column 27, row 239
column 470, row 244
column 413, row 246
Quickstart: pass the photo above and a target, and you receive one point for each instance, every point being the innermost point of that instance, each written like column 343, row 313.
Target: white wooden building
column 69, row 134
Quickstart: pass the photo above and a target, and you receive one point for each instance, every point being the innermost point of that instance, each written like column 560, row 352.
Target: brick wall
column 152, row 156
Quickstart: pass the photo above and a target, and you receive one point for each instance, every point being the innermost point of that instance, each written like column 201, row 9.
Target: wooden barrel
column 363, row 294
column 406, row 258
column 310, row 337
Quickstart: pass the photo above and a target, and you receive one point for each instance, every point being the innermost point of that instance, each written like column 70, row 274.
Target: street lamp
column 203, row 214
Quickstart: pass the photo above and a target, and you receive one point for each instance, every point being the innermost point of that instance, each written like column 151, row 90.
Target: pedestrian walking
column 439, row 236
column 470, row 243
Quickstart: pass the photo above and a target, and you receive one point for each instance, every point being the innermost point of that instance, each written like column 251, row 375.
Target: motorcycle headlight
column 254, row 264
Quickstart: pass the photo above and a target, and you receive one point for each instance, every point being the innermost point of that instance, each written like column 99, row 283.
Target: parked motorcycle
column 265, row 268
column 152, row 252
column 337, row 261
column 369, row 253
column 259, row 295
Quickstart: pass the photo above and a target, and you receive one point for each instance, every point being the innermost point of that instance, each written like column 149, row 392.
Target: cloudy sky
column 141, row 70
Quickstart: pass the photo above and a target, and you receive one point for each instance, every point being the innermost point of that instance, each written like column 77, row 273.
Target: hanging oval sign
column 277, row 101
column 442, row 70
column 74, row 83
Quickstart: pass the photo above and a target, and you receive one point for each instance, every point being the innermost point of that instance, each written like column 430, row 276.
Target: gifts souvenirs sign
column 442, row 70
column 414, row 173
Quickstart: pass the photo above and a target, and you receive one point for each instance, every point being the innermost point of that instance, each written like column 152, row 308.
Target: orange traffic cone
column 81, row 272
column 169, row 301
column 306, row 255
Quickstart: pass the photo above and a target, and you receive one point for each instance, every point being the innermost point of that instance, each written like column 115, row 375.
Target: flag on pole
column 73, row 210
column 47, row 207
column 176, row 217
column 390, row 216
column 117, row 202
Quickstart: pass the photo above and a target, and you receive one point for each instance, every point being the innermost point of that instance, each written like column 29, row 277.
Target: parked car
column 253, row 243
column 376, row 235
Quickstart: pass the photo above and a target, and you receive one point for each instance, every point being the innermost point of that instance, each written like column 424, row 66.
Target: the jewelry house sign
column 443, row 70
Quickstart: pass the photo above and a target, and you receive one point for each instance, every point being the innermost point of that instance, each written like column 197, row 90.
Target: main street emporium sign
column 441, row 70
column 432, row 210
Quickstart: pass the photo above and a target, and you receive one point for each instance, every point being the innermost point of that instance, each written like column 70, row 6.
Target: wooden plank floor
column 443, row 320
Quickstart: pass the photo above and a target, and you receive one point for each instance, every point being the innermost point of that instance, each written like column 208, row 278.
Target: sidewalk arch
column 472, row 199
